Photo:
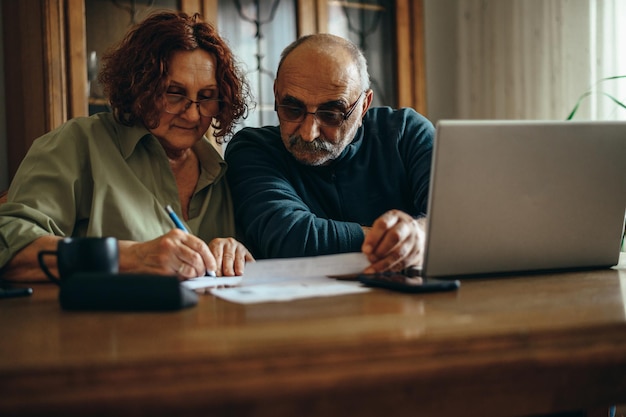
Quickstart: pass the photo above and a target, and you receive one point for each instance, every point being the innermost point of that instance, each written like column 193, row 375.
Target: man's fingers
column 377, row 232
column 397, row 242
column 393, row 230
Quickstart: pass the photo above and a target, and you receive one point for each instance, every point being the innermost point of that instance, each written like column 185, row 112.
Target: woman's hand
column 174, row 253
column 185, row 255
column 231, row 256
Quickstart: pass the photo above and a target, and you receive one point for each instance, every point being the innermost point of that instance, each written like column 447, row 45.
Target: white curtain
column 533, row 59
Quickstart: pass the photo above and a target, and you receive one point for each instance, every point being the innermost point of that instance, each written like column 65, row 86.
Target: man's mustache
column 316, row 145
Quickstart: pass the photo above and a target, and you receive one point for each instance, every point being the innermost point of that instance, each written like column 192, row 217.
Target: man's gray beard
column 316, row 148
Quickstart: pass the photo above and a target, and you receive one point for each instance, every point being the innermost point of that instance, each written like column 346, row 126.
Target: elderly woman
column 168, row 81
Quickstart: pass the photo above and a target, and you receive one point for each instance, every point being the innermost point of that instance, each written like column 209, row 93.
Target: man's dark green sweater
column 286, row 209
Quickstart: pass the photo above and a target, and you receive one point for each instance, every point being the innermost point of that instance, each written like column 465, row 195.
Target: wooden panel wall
column 411, row 77
column 31, row 108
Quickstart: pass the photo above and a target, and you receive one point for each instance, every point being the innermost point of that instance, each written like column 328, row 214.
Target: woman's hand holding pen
column 230, row 255
column 185, row 255
column 175, row 253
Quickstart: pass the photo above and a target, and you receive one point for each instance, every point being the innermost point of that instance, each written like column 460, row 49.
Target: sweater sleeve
column 415, row 149
column 269, row 194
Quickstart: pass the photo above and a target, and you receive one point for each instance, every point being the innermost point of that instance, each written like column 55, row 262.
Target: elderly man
column 336, row 175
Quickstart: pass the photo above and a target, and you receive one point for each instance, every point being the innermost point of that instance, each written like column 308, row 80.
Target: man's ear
column 367, row 101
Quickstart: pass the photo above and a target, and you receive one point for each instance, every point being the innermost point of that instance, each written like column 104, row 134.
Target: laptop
column 521, row 196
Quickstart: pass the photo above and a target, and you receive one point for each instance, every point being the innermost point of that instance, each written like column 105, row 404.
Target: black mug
column 82, row 254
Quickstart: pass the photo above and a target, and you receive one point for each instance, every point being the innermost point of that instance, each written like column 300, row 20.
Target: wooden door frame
column 411, row 59
column 35, row 77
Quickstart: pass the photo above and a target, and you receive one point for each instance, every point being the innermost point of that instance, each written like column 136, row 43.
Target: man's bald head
column 329, row 47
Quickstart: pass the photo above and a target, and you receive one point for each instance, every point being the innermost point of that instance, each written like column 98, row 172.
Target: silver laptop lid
column 508, row 196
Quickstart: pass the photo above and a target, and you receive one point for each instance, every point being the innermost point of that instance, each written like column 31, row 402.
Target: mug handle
column 43, row 265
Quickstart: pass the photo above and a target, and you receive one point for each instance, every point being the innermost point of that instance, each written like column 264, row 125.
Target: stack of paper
column 288, row 279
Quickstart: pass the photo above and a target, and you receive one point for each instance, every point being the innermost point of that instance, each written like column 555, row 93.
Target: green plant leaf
column 580, row 100
column 592, row 91
column 614, row 77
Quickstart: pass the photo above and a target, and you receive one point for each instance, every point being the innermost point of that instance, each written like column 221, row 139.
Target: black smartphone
column 400, row 282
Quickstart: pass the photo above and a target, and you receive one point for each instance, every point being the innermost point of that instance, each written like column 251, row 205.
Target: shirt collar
column 210, row 159
column 129, row 137
column 212, row 163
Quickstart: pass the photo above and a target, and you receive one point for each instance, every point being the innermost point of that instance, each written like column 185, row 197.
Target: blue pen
column 175, row 219
column 182, row 227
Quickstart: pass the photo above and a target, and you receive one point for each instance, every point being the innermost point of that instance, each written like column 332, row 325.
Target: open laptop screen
column 508, row 196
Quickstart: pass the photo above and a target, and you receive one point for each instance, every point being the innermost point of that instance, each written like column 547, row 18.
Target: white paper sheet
column 270, row 280
column 211, row 282
column 288, row 290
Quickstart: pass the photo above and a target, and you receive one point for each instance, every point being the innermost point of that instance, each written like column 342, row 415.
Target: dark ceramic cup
column 82, row 254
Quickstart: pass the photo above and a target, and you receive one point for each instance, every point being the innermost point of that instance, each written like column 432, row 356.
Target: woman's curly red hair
column 134, row 72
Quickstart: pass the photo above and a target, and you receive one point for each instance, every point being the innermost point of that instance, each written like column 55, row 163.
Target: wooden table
column 496, row 347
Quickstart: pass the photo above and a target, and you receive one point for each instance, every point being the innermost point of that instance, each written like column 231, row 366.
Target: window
column 258, row 31
column 369, row 25
column 533, row 59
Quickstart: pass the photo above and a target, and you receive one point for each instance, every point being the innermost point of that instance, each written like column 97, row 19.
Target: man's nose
column 309, row 128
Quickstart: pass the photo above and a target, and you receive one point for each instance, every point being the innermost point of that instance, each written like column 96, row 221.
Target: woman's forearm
column 24, row 266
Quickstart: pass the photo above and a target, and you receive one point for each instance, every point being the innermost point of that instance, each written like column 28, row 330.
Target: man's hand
column 394, row 242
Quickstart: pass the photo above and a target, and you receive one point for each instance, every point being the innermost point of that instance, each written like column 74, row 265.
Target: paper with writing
column 288, row 279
